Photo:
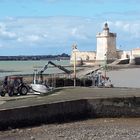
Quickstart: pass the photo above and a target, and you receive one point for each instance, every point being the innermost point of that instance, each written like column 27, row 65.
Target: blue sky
column 31, row 27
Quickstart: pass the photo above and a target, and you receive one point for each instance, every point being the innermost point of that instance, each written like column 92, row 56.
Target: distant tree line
column 62, row 56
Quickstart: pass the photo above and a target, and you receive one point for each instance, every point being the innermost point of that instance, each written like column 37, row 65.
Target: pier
column 67, row 104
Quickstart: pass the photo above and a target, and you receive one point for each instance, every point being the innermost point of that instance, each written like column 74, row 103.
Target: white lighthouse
column 106, row 46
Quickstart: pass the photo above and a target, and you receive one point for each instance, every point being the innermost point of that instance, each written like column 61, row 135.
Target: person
column 5, row 82
column 96, row 79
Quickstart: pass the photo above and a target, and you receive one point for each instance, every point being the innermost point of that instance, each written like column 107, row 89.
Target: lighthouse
column 106, row 46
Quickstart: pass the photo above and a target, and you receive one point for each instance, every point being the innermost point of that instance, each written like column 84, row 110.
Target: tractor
column 13, row 85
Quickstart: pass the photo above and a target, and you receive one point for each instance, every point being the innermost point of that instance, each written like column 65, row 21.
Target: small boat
column 40, row 88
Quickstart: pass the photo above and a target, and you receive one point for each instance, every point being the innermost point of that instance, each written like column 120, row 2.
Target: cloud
column 30, row 39
column 5, row 34
column 128, row 33
column 59, row 33
column 48, row 32
column 77, row 34
column 131, row 28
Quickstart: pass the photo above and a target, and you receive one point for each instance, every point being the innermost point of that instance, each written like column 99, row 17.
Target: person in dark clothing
column 96, row 79
column 5, row 82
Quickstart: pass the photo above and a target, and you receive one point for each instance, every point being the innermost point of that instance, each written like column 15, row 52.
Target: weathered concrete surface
column 69, row 104
column 127, row 77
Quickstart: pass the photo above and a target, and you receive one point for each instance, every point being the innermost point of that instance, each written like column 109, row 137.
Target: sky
column 43, row 27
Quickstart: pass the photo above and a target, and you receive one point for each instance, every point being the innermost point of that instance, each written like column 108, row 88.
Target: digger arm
column 46, row 66
column 60, row 67
column 41, row 72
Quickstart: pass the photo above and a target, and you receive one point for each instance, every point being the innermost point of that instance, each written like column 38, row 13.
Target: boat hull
column 40, row 88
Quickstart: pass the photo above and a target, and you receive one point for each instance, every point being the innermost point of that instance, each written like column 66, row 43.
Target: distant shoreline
column 63, row 56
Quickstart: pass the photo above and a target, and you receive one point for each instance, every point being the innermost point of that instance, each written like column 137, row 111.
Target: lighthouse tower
column 106, row 46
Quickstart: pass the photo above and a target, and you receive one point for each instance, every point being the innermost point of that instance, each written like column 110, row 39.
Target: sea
column 28, row 67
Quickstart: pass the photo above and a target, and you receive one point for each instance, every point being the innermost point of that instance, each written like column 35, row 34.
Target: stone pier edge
column 69, row 111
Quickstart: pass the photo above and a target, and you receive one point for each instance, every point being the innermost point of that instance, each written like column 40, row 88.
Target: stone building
column 106, row 46
column 105, row 51
column 82, row 58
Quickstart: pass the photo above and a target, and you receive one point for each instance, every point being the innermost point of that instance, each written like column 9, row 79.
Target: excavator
column 38, row 85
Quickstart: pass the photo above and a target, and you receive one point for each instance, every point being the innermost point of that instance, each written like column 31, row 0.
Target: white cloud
column 60, row 32
column 4, row 34
column 126, row 27
column 78, row 33
column 131, row 28
column 74, row 30
column 19, row 39
column 50, row 32
column 7, row 35
column 34, row 38
column 30, row 39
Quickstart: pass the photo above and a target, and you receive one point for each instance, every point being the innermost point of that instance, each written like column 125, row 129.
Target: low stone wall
column 70, row 110
column 114, row 107
column 46, row 113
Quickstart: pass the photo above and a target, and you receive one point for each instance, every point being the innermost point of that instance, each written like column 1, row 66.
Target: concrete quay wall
column 45, row 113
column 114, row 107
column 70, row 111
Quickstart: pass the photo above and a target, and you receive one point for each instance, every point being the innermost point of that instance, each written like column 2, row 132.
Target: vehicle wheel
column 23, row 90
column 2, row 94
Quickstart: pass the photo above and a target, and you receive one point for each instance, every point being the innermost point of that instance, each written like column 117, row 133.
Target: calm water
column 28, row 67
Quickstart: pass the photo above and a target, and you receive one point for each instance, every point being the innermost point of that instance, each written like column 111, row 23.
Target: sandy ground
column 125, row 77
column 95, row 129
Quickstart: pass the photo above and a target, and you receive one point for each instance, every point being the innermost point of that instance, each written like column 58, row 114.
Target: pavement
column 66, row 94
